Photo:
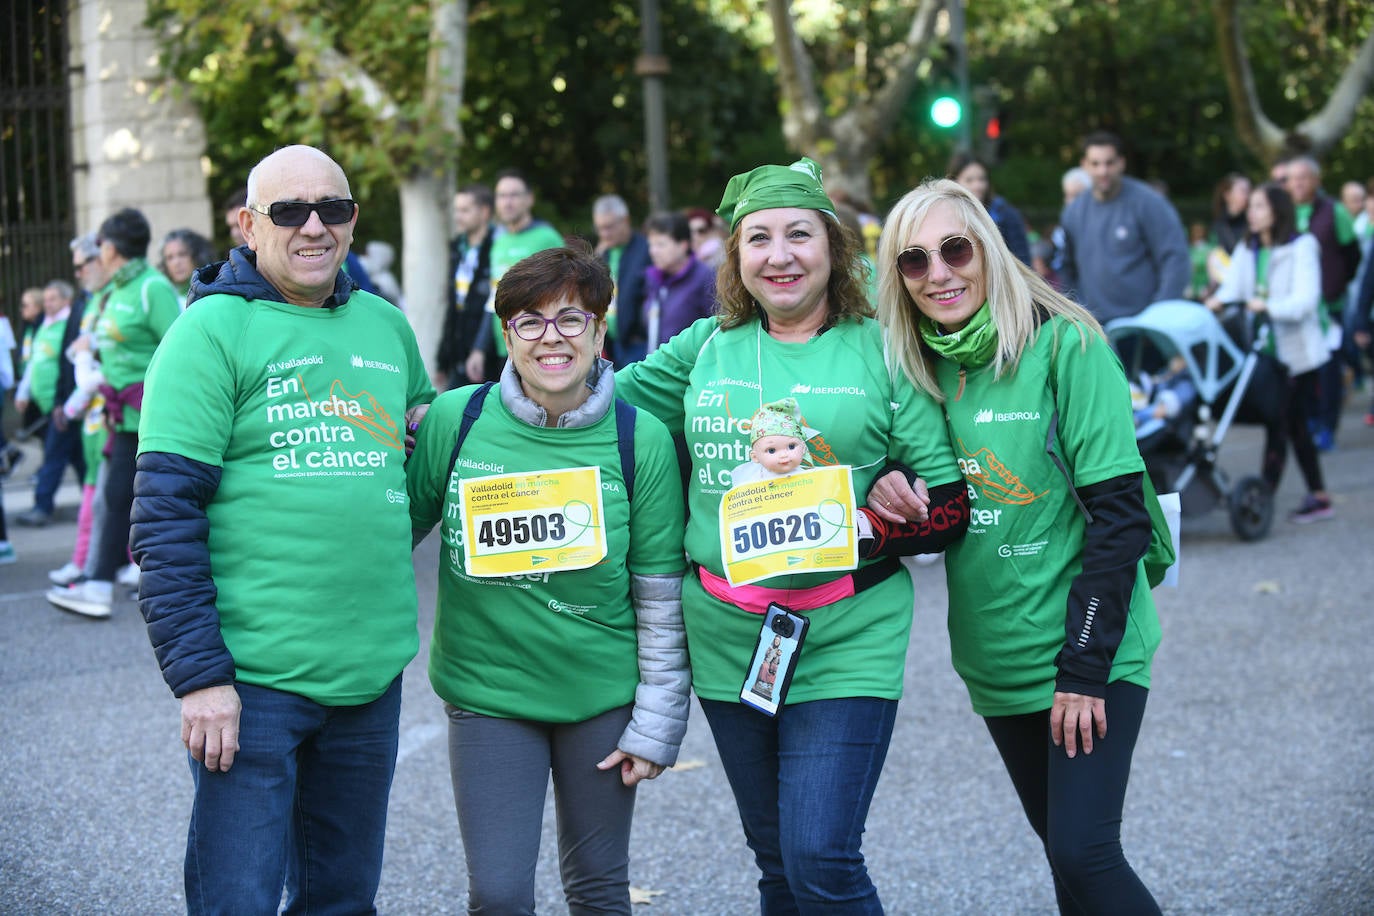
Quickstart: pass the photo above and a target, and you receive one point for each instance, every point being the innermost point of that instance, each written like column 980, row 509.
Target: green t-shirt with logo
column 706, row 384
column 304, row 409
column 506, row 249
column 1009, row 577
column 551, row 647
column 136, row 317
column 45, row 364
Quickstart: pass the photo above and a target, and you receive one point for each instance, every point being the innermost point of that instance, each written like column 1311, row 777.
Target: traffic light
column 946, row 111
column 987, row 102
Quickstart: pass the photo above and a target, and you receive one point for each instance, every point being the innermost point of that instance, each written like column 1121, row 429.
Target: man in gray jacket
column 1124, row 244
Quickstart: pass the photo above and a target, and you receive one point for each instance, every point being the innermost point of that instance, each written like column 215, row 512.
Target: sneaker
column 69, row 574
column 9, row 459
column 6, row 553
column 89, row 598
column 34, row 518
column 128, row 575
column 1313, row 509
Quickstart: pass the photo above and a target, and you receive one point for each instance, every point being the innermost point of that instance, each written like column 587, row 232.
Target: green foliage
column 550, row 89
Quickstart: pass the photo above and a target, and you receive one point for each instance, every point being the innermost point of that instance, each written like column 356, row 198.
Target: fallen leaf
column 684, row 765
column 643, row 895
column 1268, row 587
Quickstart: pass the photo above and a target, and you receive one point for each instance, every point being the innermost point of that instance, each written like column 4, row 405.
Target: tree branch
column 1261, row 135
column 900, row 77
column 357, row 80
column 1326, row 128
column 804, row 122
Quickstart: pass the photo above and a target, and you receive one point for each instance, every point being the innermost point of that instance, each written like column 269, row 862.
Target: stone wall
column 132, row 146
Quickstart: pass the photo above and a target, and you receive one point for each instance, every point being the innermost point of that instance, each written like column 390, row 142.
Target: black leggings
column 1290, row 426
column 119, row 499
column 1074, row 805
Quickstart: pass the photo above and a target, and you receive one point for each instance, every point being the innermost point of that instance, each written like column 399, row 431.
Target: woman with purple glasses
column 1051, row 621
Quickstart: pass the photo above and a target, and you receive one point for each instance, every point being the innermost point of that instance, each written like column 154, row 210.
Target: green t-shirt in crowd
column 135, row 318
column 506, row 249
column 45, row 363
column 304, row 409
column 704, row 384
column 550, row 647
column 1009, row 577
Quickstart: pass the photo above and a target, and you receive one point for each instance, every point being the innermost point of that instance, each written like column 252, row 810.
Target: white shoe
column 68, row 574
column 90, row 598
column 128, row 575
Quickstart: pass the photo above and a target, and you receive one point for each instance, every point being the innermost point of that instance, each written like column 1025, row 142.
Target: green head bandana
column 769, row 186
column 973, row 345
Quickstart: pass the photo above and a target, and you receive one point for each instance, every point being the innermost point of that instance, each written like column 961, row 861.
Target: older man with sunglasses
column 270, row 522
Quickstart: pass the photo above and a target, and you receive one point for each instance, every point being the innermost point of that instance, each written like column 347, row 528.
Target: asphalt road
column 1252, row 790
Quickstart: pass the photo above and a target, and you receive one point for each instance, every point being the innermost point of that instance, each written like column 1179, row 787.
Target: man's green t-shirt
column 705, row 384
column 550, row 647
column 506, row 249
column 1009, row 577
column 136, row 316
column 46, row 364
column 304, row 409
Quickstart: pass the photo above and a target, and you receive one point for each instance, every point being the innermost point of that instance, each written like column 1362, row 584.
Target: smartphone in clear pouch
column 775, row 658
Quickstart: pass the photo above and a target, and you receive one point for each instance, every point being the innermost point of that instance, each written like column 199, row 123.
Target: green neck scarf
column 973, row 345
column 130, row 270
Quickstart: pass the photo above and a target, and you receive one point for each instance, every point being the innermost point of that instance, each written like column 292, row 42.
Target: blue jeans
column 60, row 448
column 303, row 805
column 803, row 783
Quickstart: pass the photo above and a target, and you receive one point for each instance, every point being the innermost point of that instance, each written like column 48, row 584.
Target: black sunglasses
column 292, row 213
column 956, row 252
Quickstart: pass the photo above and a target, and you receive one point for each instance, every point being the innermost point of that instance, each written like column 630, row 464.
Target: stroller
column 1225, row 373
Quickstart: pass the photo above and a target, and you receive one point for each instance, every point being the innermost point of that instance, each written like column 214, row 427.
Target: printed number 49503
column 522, row 529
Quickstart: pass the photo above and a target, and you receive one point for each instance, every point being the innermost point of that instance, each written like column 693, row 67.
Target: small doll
column 777, row 443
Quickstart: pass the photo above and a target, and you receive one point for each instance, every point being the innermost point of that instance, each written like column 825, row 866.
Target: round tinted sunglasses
column 292, row 213
column 956, row 252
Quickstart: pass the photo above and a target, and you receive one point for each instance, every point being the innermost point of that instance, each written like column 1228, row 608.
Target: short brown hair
column 572, row 272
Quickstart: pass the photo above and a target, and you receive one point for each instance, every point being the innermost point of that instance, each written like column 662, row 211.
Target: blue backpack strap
column 625, row 442
column 471, row 412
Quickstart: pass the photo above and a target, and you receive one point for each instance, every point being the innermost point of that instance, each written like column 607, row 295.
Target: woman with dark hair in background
column 972, row 172
column 183, row 250
column 1276, row 272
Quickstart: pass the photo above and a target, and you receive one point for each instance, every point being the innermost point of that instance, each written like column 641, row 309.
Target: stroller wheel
column 1251, row 508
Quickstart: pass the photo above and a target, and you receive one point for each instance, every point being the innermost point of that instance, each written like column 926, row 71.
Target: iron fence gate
column 36, row 210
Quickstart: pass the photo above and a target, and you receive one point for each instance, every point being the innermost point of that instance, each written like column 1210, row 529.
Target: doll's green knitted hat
column 777, row 418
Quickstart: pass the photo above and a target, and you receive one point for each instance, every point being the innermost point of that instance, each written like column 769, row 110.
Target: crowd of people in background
column 625, row 348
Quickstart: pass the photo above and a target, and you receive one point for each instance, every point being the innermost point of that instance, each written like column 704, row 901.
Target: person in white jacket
column 1276, row 272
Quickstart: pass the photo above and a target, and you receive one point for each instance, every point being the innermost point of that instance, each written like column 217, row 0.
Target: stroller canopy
column 1181, row 327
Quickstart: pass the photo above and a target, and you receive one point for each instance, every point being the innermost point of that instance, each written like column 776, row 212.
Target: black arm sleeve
column 170, row 542
column 947, row 523
column 1100, row 596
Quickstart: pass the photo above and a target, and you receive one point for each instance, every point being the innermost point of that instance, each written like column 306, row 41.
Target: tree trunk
column 424, row 257
column 1261, row 135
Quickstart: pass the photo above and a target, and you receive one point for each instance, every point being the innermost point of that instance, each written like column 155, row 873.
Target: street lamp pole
column 652, row 66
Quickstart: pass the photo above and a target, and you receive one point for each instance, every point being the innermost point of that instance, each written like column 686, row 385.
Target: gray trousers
column 500, row 770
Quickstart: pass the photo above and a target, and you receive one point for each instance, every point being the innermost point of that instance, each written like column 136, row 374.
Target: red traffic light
column 993, row 128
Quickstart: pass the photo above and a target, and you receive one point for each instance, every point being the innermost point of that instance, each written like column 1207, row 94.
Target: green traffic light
column 946, row 111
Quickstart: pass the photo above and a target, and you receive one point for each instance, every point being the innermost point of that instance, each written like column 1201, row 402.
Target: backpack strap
column 471, row 412
column 625, row 442
column 624, row 435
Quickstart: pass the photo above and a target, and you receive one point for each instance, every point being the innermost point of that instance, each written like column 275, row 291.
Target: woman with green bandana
column 793, row 322
column 1051, row 622
column 558, row 636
